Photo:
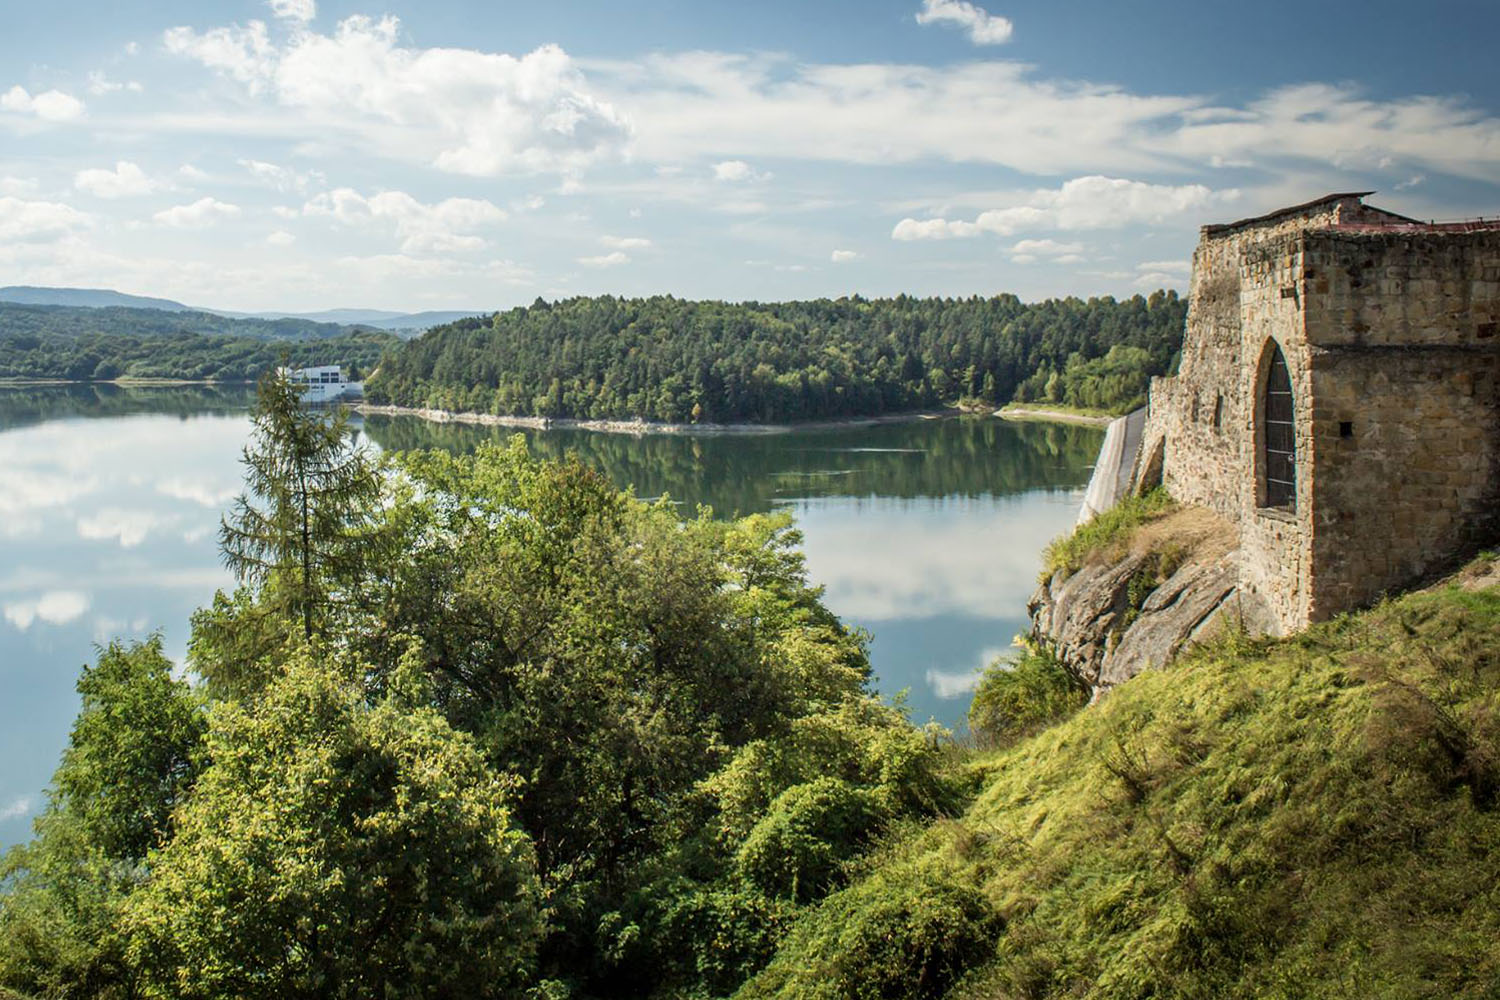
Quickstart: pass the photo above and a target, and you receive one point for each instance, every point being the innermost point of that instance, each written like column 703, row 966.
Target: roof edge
column 1218, row 229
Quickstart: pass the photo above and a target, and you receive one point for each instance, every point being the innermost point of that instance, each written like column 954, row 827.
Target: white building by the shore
column 324, row 384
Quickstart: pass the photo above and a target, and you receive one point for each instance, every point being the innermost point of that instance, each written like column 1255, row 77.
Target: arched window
column 1279, row 439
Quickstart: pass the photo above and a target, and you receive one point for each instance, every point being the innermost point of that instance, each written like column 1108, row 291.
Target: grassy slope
column 1311, row 817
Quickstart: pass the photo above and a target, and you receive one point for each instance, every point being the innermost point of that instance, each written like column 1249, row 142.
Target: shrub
column 908, row 932
column 796, row 848
column 1019, row 696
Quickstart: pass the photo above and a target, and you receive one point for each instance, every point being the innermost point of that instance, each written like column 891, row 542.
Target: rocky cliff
column 1133, row 604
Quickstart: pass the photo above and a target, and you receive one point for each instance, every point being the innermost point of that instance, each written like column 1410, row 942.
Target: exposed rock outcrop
column 1124, row 612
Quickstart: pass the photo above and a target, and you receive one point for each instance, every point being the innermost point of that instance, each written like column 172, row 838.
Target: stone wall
column 1405, row 405
column 1389, row 333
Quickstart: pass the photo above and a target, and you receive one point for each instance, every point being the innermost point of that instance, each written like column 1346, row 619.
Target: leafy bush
column 908, row 932
column 338, row 851
column 1018, row 696
column 795, row 850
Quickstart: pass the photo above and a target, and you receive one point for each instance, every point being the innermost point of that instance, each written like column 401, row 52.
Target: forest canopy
column 667, row 359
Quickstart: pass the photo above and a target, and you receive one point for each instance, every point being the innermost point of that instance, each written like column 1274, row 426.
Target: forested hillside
column 18, row 319
column 102, row 344
column 672, row 360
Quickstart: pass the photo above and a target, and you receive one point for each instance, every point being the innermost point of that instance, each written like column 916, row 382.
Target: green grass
column 1106, row 536
column 1309, row 817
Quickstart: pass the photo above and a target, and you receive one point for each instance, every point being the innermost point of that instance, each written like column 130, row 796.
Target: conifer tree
column 296, row 532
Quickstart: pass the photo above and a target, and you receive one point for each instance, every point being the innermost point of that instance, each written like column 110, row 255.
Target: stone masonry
column 1388, row 328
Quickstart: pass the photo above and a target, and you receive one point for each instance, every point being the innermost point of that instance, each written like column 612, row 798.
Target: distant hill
column 407, row 324
column 17, row 319
column 424, row 320
column 93, row 298
column 99, row 344
column 380, row 319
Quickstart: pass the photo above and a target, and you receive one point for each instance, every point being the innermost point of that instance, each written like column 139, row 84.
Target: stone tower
column 1338, row 400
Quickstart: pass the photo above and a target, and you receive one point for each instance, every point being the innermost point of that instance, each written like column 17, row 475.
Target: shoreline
column 642, row 427
column 1029, row 412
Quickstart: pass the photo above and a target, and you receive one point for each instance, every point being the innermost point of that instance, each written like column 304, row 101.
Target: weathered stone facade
column 1388, row 328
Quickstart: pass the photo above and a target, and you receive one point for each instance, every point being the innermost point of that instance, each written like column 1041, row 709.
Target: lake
column 928, row 533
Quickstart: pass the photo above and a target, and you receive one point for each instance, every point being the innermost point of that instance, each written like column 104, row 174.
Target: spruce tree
column 310, row 495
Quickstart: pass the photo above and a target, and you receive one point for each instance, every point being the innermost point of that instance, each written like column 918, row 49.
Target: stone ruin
column 1338, row 401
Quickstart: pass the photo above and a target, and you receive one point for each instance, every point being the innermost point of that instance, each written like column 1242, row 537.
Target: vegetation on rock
column 1104, row 537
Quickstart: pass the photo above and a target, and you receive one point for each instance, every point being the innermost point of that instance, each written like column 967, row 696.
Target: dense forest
column 18, row 319
column 672, row 360
column 85, row 344
column 483, row 726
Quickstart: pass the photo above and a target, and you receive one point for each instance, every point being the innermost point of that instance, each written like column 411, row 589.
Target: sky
column 313, row 154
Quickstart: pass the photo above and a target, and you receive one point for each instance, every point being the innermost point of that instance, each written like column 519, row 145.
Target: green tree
column 334, row 850
column 301, row 531
column 132, row 757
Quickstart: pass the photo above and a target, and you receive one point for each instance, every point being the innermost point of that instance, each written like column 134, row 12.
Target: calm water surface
column 927, row 534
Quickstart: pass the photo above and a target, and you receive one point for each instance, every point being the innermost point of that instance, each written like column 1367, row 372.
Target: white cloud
column 99, row 84
column 294, row 10
column 947, row 684
column 188, row 172
column 55, row 607
column 1336, row 125
column 200, row 214
column 284, row 179
column 16, row 808
column 38, row 221
column 15, row 186
column 208, row 494
column 241, row 53
column 983, row 27
column 51, row 105
column 843, row 256
column 688, row 106
column 625, row 242
column 1082, row 203
column 1173, row 266
column 933, row 229
column 280, row 238
column 482, row 113
column 1410, row 182
column 445, row 226
column 124, row 181
column 606, row 260
column 107, row 628
column 1046, row 248
column 128, row 527
column 738, row 171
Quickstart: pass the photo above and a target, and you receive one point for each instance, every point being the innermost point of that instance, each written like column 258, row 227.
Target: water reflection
column 926, row 534
column 931, row 459
column 92, row 547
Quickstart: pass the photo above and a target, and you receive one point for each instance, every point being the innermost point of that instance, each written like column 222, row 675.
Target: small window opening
column 1346, row 428
column 1280, row 436
column 1218, row 411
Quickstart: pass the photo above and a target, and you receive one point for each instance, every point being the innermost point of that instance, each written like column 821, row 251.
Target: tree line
column 102, row 357
column 667, row 359
column 87, row 344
